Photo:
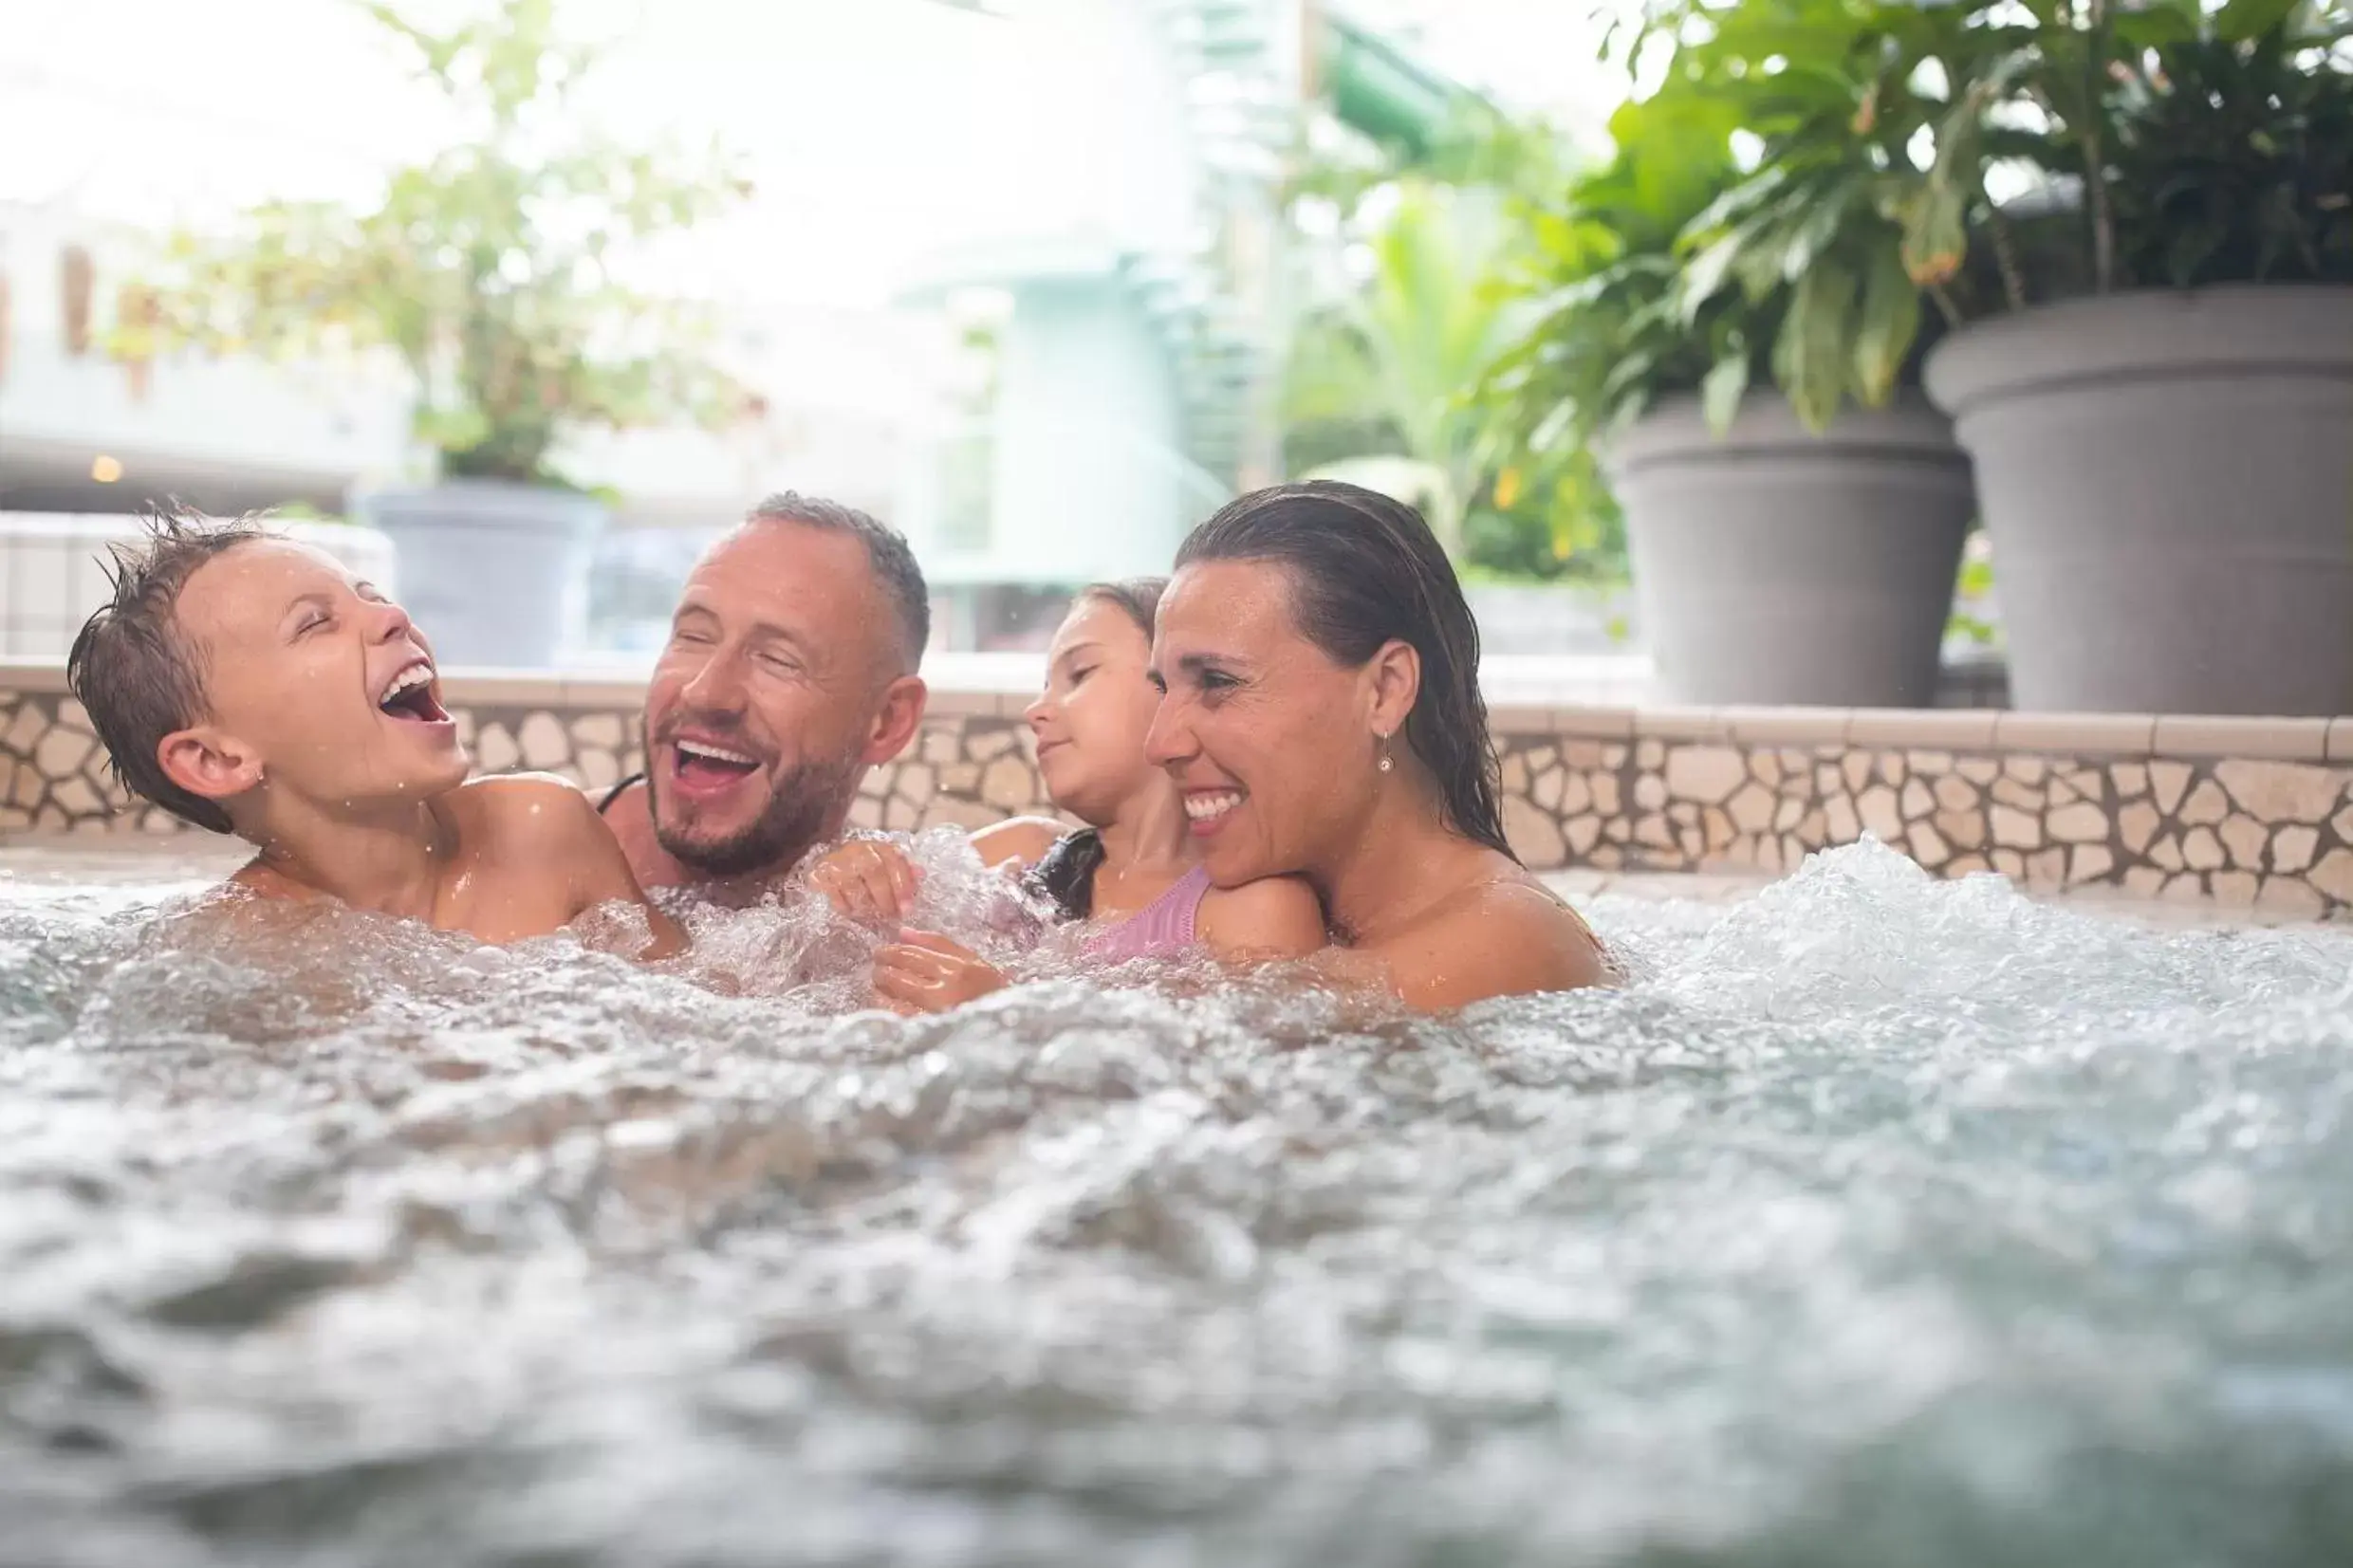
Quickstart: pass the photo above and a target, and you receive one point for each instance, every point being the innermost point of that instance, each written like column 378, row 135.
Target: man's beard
column 802, row 807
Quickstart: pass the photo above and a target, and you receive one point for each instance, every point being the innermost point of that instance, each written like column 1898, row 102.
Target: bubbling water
column 1874, row 1221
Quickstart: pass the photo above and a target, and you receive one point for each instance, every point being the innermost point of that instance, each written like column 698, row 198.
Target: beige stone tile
column 2188, row 888
column 2292, row 848
column 1606, row 798
column 2010, row 863
column 2079, row 823
column 26, row 729
column 542, row 742
column 1535, row 837
column 1650, row 792
column 2015, row 828
column 2167, row 781
column 1683, row 813
column 1888, row 768
column 1978, row 771
column 2144, row 881
column 2207, row 803
column 916, row 782
column 1956, row 793
column 61, row 752
column 1963, row 829
column 1855, row 771
column 941, row 743
column 605, row 729
column 2334, row 875
column 1708, row 774
column 1967, row 865
column 1929, row 762
column 2047, row 869
column 2089, row 862
column 959, row 777
column 1682, row 724
column 2132, row 779
column 2287, row 740
column 1582, row 834
column 1881, row 815
column 2234, row 889
column 495, row 749
column 1576, row 793
column 2283, row 792
column 2166, row 852
column 2136, row 824
column 1600, row 723
column 2201, row 850
column 2075, row 734
column 1547, row 789
column 1006, row 783
column 1922, row 728
column 1716, row 831
column 2018, row 794
column 1926, row 845
column 1918, row 801
column 1513, row 778
column 2246, row 838
column 866, row 812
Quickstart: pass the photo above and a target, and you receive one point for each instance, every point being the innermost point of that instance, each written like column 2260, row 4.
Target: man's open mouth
column 411, row 696
column 705, row 766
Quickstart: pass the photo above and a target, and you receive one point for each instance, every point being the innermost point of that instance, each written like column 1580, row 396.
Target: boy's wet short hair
column 132, row 667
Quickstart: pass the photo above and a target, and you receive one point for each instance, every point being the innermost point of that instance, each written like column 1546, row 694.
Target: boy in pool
column 248, row 685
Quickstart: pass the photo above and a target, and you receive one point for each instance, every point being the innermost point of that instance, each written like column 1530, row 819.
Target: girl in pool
column 1133, row 874
column 1322, row 720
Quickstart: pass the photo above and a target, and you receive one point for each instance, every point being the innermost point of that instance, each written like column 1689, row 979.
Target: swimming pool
column 1877, row 1220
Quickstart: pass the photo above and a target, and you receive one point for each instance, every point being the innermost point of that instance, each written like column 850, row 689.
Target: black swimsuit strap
column 615, row 793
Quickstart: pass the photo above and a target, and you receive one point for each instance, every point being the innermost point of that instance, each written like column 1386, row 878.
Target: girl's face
column 1091, row 718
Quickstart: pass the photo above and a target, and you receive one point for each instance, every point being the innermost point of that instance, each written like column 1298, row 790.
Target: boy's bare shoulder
column 524, row 810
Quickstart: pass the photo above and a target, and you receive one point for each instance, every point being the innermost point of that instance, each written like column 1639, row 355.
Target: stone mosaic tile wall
column 2243, row 832
column 2155, row 808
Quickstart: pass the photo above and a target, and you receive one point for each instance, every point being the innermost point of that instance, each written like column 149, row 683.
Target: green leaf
column 1890, row 323
column 1809, row 356
column 2243, row 21
column 1720, row 394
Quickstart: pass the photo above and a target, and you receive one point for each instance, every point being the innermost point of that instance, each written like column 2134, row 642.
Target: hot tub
column 1877, row 1220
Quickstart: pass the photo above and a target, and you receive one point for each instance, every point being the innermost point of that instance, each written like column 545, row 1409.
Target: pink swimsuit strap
column 1161, row 929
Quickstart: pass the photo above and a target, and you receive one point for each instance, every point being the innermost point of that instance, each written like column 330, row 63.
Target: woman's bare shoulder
column 1507, row 936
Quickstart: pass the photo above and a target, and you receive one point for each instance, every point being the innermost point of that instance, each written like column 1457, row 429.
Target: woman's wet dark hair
column 1066, row 874
column 1365, row 570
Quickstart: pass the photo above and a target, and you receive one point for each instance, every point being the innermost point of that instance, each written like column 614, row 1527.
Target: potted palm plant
column 2159, row 398
column 1742, row 345
column 498, row 272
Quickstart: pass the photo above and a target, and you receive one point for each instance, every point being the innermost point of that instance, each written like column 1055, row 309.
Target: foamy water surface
column 1876, row 1222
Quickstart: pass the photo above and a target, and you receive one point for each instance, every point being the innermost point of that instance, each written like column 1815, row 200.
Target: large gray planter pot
column 1776, row 566
column 492, row 573
column 2167, row 479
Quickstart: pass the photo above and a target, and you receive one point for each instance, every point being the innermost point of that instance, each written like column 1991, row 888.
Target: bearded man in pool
column 790, row 672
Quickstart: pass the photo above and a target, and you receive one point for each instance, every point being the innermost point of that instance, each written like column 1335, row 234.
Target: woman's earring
column 1385, row 761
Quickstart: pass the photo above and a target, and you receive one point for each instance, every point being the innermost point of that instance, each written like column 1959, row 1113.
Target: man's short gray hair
column 894, row 564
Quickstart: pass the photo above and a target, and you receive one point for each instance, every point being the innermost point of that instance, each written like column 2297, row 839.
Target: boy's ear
column 207, row 762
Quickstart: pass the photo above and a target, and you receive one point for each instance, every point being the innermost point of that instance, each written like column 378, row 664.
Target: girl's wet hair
column 1065, row 874
column 1365, row 570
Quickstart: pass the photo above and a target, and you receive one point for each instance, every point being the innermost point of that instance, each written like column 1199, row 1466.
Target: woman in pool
column 1135, row 873
column 1322, row 719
